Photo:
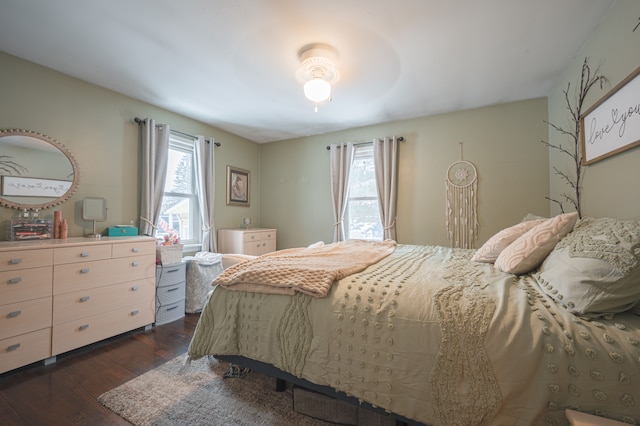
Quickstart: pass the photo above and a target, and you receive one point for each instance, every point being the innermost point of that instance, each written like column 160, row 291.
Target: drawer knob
column 135, row 249
column 135, row 288
column 136, row 312
column 14, row 314
column 135, row 263
column 253, row 236
column 13, row 347
column 83, row 327
column 84, row 254
column 172, row 308
column 84, row 270
column 173, row 289
column 15, row 261
column 173, row 270
column 84, row 299
column 15, row 280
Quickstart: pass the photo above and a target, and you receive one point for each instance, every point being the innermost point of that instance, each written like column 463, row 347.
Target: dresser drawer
column 134, row 249
column 23, row 317
column 81, row 254
column 74, row 277
column 259, row 247
column 74, row 334
column 258, row 236
column 24, row 349
column 171, row 293
column 84, row 303
column 171, row 274
column 170, row 312
column 25, row 284
column 24, row 259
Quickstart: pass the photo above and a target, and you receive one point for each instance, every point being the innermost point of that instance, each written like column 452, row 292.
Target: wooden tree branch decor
column 574, row 178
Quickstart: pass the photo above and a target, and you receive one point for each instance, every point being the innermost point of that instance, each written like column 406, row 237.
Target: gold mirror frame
column 60, row 147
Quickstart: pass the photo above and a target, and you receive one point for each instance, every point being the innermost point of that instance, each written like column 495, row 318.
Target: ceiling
column 232, row 63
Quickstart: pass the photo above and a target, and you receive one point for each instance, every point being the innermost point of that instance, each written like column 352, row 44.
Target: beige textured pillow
column 595, row 270
column 529, row 250
column 490, row 250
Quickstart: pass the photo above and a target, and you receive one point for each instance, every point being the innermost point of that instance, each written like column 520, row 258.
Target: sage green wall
column 503, row 142
column 96, row 126
column 611, row 187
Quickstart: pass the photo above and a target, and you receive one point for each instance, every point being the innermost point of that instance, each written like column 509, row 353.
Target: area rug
column 197, row 394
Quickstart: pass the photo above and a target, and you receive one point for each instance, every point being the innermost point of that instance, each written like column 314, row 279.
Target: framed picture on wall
column 238, row 187
column 612, row 125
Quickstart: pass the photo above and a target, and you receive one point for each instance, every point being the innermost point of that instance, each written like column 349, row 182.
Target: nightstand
column 252, row 241
column 170, row 292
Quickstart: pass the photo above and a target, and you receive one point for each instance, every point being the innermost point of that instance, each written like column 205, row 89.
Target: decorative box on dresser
column 171, row 281
column 59, row 295
column 252, row 241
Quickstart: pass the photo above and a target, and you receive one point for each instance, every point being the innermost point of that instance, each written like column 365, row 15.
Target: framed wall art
column 34, row 187
column 238, row 187
column 612, row 125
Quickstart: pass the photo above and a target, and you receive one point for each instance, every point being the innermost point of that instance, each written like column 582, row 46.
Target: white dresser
column 59, row 295
column 252, row 241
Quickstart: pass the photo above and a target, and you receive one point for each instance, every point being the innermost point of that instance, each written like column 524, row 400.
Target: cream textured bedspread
column 429, row 335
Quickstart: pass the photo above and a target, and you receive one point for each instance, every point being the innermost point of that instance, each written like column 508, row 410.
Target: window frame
column 360, row 151
column 185, row 144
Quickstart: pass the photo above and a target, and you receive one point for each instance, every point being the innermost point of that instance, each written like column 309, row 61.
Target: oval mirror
column 36, row 171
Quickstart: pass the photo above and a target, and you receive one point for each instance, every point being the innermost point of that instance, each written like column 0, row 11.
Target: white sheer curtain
column 341, row 158
column 205, row 185
column 385, row 159
column 155, row 152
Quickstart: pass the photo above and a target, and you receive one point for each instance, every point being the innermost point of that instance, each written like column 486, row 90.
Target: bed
column 542, row 318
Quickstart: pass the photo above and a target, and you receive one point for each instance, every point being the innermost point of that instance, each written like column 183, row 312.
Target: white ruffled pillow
column 530, row 249
column 490, row 250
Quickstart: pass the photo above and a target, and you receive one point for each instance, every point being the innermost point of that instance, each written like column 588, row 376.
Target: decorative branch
column 10, row 167
column 574, row 151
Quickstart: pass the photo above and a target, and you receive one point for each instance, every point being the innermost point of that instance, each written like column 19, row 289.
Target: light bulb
column 317, row 90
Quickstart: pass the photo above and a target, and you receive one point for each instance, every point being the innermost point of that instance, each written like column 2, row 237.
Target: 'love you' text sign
column 612, row 125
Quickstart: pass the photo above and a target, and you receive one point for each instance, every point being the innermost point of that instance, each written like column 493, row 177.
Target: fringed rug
column 197, row 394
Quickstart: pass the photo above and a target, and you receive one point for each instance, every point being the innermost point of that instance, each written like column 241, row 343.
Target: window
column 363, row 213
column 179, row 213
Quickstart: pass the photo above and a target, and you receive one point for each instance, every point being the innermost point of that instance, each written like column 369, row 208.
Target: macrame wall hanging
column 462, row 203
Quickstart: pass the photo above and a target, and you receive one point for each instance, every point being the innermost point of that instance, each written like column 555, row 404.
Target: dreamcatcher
column 462, row 203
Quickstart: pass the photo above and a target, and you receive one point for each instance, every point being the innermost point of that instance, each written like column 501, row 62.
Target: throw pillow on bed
column 595, row 270
column 490, row 250
column 530, row 249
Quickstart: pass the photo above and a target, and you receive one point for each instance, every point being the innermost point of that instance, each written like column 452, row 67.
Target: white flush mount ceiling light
column 318, row 72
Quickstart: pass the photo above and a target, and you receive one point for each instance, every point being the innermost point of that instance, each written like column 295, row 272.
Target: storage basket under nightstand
column 170, row 292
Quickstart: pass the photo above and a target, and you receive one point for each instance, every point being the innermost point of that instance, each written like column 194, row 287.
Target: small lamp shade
column 317, row 90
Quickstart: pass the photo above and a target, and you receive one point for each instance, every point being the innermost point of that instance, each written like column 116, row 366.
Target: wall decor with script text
column 612, row 125
column 34, row 187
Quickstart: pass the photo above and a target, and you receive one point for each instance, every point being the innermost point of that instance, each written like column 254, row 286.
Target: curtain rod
column 399, row 139
column 140, row 121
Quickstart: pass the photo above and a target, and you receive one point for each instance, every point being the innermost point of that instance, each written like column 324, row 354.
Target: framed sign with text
column 612, row 125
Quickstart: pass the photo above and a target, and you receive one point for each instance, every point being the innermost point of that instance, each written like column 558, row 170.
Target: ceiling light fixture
column 318, row 72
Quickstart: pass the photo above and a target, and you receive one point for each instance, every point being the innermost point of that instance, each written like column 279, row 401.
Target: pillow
column 595, row 270
column 531, row 216
column 490, row 250
column 530, row 249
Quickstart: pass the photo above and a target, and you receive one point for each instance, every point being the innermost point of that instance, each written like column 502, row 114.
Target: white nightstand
column 252, row 241
column 170, row 292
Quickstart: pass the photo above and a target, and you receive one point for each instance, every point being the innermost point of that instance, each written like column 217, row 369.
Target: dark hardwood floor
column 64, row 393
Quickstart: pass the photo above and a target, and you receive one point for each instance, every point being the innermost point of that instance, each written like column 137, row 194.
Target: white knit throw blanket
column 307, row 270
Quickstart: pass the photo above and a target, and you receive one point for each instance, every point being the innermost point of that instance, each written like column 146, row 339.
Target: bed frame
column 282, row 377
